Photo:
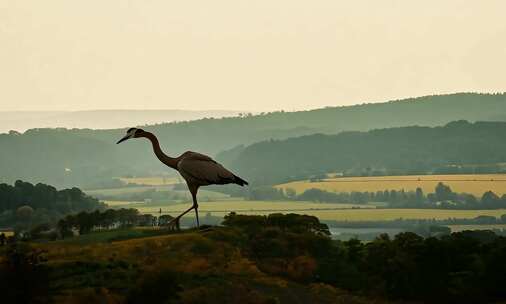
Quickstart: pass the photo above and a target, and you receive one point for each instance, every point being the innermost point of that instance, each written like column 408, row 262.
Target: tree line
column 85, row 222
column 442, row 198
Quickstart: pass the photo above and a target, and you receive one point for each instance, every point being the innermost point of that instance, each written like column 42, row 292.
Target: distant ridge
column 405, row 150
column 99, row 119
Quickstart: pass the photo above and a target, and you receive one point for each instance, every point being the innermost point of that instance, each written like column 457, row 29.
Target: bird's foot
column 205, row 228
column 174, row 224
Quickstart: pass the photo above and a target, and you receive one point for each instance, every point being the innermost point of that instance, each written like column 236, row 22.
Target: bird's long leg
column 193, row 190
column 176, row 219
column 196, row 206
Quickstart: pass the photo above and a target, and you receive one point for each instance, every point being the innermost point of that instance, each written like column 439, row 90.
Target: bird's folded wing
column 206, row 171
column 190, row 155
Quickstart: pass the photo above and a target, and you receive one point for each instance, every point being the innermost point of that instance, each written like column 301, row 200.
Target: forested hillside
column 404, row 150
column 85, row 157
column 24, row 205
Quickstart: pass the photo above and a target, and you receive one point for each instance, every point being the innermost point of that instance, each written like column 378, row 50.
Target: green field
column 125, row 190
column 338, row 212
column 475, row 184
column 151, row 181
column 458, row 228
column 393, row 214
column 112, row 193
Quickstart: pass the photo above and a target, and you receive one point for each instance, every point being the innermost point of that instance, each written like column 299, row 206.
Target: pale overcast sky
column 244, row 54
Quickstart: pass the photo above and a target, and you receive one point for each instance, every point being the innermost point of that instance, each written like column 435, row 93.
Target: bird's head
column 132, row 133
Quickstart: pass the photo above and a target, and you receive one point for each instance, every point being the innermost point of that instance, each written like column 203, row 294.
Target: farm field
column 151, row 181
column 338, row 212
column 239, row 206
column 123, row 204
column 112, row 192
column 393, row 214
column 7, row 233
column 125, row 190
column 475, row 184
column 458, row 228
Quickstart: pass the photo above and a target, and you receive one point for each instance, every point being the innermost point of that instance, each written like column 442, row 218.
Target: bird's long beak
column 123, row 139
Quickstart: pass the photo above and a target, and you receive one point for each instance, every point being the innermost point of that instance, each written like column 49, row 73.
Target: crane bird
column 196, row 169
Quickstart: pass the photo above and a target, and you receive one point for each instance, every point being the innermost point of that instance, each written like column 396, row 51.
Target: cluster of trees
column 85, row 222
column 24, row 205
column 44, row 196
column 462, row 267
column 286, row 222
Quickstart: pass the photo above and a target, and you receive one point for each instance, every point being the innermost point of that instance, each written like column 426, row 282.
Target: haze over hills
column 99, row 119
column 43, row 155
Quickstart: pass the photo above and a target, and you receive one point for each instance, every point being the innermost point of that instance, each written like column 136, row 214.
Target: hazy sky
column 244, row 55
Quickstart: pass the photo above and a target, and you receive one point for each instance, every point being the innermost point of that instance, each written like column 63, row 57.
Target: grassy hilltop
column 254, row 259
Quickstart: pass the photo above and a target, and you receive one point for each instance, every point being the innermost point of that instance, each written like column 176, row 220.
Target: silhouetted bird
column 196, row 169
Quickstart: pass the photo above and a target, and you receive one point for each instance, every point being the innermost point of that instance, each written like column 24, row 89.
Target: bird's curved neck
column 164, row 158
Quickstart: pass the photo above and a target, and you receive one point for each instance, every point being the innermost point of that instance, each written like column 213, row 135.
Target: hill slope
column 406, row 150
column 41, row 155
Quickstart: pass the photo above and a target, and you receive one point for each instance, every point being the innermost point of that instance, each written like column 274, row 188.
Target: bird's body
column 196, row 169
column 199, row 169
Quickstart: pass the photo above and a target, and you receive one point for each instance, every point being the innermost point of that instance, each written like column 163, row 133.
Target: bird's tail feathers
column 240, row 181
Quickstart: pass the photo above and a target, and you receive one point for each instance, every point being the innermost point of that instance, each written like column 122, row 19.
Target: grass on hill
column 108, row 236
column 206, row 265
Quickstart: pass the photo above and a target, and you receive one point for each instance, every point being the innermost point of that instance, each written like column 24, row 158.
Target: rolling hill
column 98, row 119
column 405, row 150
column 84, row 156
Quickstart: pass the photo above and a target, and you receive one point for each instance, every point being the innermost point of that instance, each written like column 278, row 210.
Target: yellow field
column 7, row 233
column 339, row 212
column 151, row 181
column 124, row 204
column 239, row 206
column 473, row 184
